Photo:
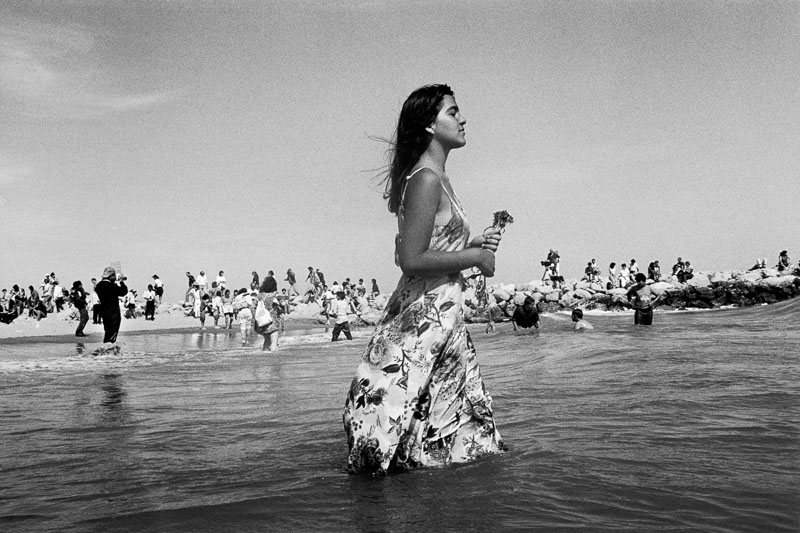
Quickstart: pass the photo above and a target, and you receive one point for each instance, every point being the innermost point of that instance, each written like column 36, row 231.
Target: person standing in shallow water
column 109, row 290
column 418, row 398
column 643, row 301
column 78, row 298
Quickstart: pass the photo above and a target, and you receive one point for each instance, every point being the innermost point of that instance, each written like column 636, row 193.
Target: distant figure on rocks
column 678, row 270
column 109, row 290
column 688, row 271
column 760, row 264
column 526, row 315
column 624, row 276
column 291, row 279
column 190, row 279
column 633, row 269
column 580, row 323
column 375, row 290
column 612, row 276
column 588, row 272
column 313, row 280
column 555, row 273
column 783, row 261
column 552, row 257
column 221, row 282
column 643, row 301
column 654, row 271
column 158, row 287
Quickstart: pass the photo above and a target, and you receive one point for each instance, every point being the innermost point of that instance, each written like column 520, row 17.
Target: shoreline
column 58, row 327
column 706, row 291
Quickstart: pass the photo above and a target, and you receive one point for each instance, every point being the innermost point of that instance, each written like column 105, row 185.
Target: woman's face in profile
column 448, row 128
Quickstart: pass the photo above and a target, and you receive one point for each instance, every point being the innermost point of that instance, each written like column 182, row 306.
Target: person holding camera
column 109, row 290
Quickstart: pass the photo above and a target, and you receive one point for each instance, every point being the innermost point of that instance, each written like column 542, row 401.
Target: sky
column 176, row 136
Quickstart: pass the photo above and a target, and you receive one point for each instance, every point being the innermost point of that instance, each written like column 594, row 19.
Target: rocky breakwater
column 706, row 290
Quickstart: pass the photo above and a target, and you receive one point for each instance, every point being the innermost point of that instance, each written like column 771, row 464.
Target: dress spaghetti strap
column 405, row 183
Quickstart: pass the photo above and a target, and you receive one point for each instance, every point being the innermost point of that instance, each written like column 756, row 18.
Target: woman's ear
column 429, row 129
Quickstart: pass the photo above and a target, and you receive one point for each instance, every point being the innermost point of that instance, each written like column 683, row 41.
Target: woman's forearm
column 440, row 262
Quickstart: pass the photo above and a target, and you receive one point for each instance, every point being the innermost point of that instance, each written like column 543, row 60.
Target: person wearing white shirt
column 243, row 305
column 624, row 276
column 222, row 283
column 129, row 302
column 216, row 305
column 341, row 308
column 158, row 287
column 202, row 281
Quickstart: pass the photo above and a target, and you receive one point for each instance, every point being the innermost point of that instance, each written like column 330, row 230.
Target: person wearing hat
column 109, row 290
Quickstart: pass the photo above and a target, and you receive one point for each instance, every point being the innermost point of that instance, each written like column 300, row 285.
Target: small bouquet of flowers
column 501, row 220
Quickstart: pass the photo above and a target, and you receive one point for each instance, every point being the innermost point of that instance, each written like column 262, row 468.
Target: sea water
column 692, row 424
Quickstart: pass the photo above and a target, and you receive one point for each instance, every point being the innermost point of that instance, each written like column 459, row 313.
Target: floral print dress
column 418, row 398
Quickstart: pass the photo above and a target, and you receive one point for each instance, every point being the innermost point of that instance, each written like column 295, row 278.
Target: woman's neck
column 437, row 164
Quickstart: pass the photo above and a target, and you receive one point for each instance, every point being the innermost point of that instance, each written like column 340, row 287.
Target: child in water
column 580, row 323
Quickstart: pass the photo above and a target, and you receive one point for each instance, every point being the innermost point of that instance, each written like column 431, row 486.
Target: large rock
column 660, row 287
column 546, row 289
column 568, row 299
column 719, row 278
column 705, row 293
column 753, row 275
column 501, row 295
column 779, row 282
column 582, row 293
column 553, row 296
column 699, row 280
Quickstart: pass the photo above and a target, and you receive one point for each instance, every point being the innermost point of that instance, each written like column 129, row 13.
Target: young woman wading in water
column 418, row 398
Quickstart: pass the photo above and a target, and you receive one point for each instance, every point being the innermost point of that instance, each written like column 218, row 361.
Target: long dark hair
column 410, row 139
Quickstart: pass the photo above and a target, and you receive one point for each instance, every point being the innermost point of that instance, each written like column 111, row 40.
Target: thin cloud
column 53, row 69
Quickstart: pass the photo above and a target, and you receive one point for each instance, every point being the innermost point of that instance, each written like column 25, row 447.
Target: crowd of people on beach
column 202, row 300
column 222, row 304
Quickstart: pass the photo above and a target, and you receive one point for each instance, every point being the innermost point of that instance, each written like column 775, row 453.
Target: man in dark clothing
column 109, row 291
column 78, row 298
column 269, row 285
column 269, row 289
column 526, row 315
